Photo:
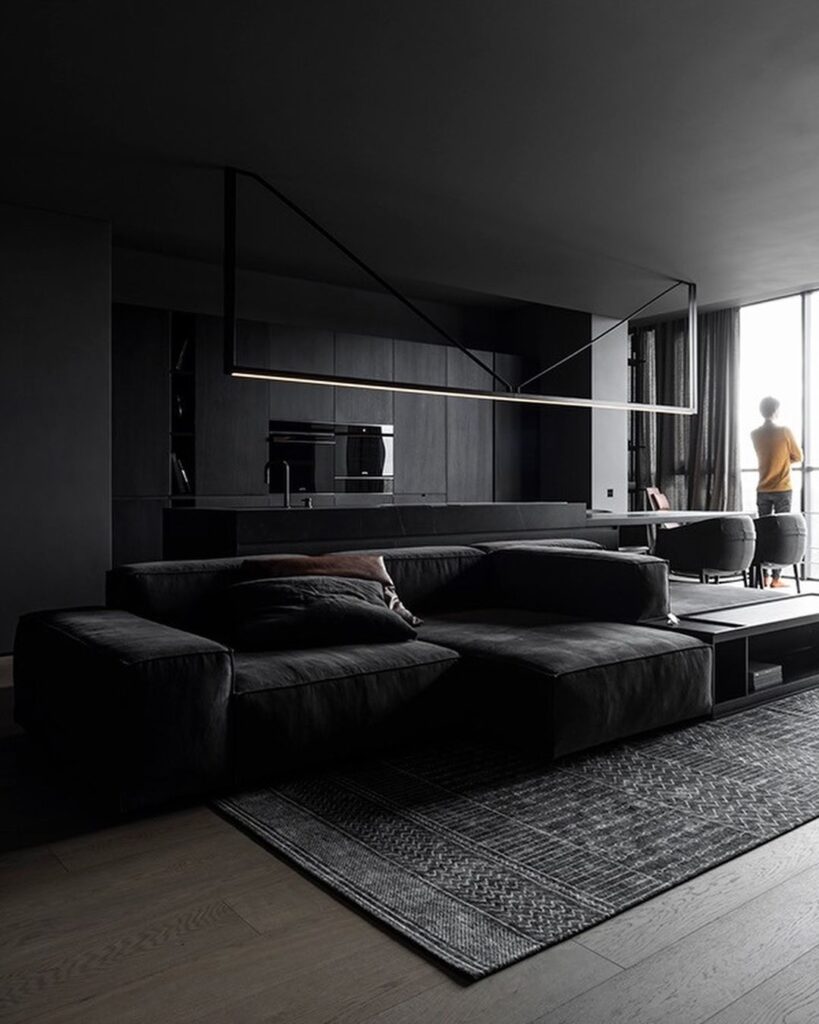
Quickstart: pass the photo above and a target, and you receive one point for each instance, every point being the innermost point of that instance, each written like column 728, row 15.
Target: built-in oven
column 330, row 458
column 364, row 458
column 301, row 458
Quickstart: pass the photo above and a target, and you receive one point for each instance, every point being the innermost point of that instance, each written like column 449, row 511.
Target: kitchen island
column 229, row 532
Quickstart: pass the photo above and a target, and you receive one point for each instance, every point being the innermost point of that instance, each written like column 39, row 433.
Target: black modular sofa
column 540, row 644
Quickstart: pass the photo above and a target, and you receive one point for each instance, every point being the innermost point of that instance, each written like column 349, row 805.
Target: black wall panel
column 139, row 401
column 555, row 440
column 362, row 355
column 565, row 432
column 137, row 529
column 516, row 438
column 469, row 431
column 231, row 415
column 55, row 400
column 303, row 350
column 420, row 422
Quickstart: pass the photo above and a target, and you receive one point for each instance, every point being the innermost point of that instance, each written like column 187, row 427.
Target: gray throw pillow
column 311, row 611
column 348, row 566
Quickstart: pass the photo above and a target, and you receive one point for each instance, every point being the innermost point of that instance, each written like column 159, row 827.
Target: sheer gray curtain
column 694, row 460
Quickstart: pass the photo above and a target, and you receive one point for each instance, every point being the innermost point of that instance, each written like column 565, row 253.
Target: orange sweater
column 776, row 449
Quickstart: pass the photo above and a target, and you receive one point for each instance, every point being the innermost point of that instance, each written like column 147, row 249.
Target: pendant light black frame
column 507, row 392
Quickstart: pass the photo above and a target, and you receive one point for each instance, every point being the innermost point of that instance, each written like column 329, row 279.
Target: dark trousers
column 768, row 502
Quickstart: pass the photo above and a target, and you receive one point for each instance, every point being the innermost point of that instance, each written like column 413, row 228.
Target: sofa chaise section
column 563, row 663
column 558, row 685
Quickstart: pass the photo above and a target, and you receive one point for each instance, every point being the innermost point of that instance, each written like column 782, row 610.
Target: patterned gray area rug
column 481, row 857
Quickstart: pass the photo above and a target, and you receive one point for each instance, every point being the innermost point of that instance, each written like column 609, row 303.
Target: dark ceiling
column 576, row 153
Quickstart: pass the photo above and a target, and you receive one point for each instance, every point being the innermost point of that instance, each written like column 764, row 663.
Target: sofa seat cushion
column 551, row 644
column 297, row 708
column 564, row 685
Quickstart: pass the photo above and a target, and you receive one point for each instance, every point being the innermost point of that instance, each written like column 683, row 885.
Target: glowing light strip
column 248, row 373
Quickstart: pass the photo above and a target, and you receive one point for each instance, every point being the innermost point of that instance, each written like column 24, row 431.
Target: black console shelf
column 784, row 632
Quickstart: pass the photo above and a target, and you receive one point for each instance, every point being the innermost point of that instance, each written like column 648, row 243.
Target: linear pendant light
column 509, row 392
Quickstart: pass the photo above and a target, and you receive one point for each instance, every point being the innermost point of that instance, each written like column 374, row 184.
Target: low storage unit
column 762, row 651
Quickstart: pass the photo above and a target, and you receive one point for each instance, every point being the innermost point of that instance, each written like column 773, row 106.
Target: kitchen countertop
column 599, row 517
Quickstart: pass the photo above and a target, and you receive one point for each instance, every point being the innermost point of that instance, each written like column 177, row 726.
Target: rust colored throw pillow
column 354, row 567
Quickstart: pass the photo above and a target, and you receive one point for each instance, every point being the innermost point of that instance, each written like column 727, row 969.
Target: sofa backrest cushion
column 589, row 584
column 186, row 594
column 605, row 585
column 189, row 594
column 441, row 578
column 545, row 542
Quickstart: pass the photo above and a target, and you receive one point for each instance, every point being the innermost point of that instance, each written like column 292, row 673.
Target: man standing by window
column 776, row 449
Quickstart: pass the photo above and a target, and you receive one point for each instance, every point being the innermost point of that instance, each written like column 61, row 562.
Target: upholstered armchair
column 710, row 548
column 781, row 540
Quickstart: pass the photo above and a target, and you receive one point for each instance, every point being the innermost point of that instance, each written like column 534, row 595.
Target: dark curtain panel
column 715, row 481
column 643, row 426
column 694, row 460
column 674, row 433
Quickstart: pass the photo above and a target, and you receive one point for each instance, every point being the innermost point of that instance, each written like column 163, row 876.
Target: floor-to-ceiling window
column 811, row 433
column 770, row 363
column 776, row 342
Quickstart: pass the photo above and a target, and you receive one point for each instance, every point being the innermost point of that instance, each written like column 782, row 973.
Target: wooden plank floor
column 181, row 918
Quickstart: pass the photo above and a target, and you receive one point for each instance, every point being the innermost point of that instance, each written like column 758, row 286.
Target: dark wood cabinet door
column 231, row 414
column 136, row 530
column 517, row 442
column 469, row 430
column 420, row 421
column 300, row 350
column 362, row 355
column 140, row 401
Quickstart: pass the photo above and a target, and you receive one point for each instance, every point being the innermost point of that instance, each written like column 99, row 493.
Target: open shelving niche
column 182, row 392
